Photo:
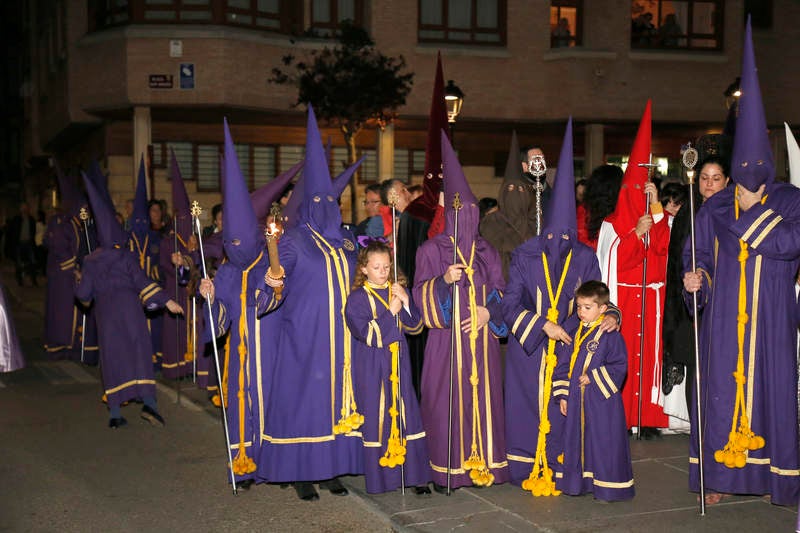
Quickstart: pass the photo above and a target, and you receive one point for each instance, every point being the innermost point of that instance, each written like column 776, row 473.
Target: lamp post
column 453, row 99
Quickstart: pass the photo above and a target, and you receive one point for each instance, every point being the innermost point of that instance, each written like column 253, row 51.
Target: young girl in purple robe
column 596, row 456
column 378, row 312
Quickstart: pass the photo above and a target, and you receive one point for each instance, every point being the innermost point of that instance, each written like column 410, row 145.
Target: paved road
column 62, row 469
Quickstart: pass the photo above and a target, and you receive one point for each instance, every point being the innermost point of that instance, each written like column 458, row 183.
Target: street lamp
column 453, row 99
column 733, row 92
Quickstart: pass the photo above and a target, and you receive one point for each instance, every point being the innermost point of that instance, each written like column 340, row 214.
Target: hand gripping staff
column 689, row 161
column 196, row 210
column 84, row 216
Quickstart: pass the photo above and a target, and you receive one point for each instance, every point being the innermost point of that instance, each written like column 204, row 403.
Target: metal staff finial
column 689, row 160
column 457, row 205
column 83, row 214
column 196, row 211
column 537, row 165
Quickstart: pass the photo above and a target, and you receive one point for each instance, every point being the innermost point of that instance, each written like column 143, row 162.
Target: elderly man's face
column 372, row 203
column 529, row 155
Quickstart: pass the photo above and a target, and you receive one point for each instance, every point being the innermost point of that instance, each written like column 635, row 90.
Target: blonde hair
column 375, row 247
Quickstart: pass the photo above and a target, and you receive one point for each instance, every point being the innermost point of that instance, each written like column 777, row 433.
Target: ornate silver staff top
column 689, row 161
column 538, row 167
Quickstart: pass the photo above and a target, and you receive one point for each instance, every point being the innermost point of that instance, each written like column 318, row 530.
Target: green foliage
column 349, row 83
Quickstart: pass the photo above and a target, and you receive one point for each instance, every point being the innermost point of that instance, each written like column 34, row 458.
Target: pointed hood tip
column 752, row 163
column 109, row 231
column 560, row 215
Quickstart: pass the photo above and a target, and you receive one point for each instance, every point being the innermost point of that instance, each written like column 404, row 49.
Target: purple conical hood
column 181, row 209
column 291, row 210
column 263, row 197
column 72, row 198
column 242, row 239
column 456, row 182
column 109, row 231
column 140, row 218
column 318, row 206
column 752, row 163
column 341, row 181
column 560, row 217
column 100, row 180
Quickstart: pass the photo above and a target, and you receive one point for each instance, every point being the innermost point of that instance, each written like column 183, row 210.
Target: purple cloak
column 435, row 299
column 310, row 341
column 597, row 456
column 525, row 305
column 66, row 243
column 374, row 329
column 146, row 245
column 119, row 288
column 772, row 232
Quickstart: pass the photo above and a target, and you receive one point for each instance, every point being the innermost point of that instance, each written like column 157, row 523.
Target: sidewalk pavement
column 662, row 501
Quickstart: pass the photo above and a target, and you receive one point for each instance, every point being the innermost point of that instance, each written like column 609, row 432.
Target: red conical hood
column 632, row 204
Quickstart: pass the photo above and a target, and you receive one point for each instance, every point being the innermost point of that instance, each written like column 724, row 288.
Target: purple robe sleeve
column 609, row 376
column 561, row 372
column 411, row 319
column 525, row 324
column 772, row 234
column 376, row 332
column 704, row 256
column 432, row 294
column 150, row 293
column 84, row 290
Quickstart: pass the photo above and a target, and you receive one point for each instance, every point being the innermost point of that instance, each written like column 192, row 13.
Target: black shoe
column 650, row 433
column 334, row 486
column 244, row 484
column 152, row 416
column 422, row 490
column 115, row 423
column 442, row 489
column 306, row 491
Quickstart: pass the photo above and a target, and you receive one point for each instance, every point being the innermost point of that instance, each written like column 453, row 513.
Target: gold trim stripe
column 518, row 321
column 754, row 226
column 519, row 458
column 528, row 329
column 761, row 461
column 775, row 221
column 598, row 381
column 131, row 384
column 609, row 381
column 609, row 484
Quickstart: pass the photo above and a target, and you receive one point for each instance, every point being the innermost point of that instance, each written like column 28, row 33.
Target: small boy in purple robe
column 378, row 312
column 596, row 456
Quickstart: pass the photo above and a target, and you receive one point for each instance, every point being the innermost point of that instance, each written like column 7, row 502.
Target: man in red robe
column 632, row 234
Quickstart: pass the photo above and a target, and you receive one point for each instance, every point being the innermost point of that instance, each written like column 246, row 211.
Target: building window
column 677, row 24
column 284, row 16
column 566, row 23
column 408, row 163
column 208, row 167
column 462, row 21
column 184, row 154
column 326, row 15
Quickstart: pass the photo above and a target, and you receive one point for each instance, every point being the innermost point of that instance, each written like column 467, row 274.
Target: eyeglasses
column 366, row 202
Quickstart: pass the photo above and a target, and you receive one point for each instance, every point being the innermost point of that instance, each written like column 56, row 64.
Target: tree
column 349, row 84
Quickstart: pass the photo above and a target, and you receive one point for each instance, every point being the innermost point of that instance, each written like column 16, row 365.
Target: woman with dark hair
column 599, row 201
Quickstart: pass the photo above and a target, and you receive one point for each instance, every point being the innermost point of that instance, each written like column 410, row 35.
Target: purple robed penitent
column 66, row 243
column 374, row 329
column 435, row 299
column 119, row 288
column 111, row 276
column 597, row 456
column 525, row 305
column 765, row 239
column 312, row 345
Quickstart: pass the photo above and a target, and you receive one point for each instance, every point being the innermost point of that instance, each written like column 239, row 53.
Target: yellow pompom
column 760, row 442
column 526, row 485
column 383, row 461
column 560, row 459
column 188, row 356
column 740, row 460
column 743, row 441
column 473, row 475
column 730, row 460
column 216, row 400
column 546, row 490
column 544, row 426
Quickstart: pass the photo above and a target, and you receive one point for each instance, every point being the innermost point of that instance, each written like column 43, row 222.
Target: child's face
column 589, row 309
column 377, row 267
